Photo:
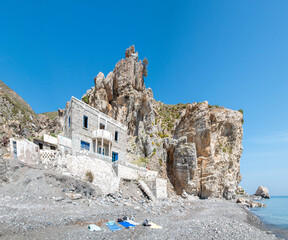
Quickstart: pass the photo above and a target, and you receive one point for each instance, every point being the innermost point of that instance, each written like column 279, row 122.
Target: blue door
column 15, row 149
column 114, row 156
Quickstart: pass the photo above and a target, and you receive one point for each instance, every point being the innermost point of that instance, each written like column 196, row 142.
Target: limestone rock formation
column 197, row 146
column 217, row 135
column 263, row 192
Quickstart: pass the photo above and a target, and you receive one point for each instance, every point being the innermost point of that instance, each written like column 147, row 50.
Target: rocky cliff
column 197, row 146
column 17, row 119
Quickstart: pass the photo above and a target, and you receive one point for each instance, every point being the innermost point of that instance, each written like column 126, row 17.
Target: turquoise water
column 276, row 212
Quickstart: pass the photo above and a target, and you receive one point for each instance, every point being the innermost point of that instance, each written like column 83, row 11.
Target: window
column 69, row 121
column 114, row 156
column 116, row 136
column 102, row 126
column 40, row 146
column 103, row 150
column 85, row 121
column 52, row 147
column 85, row 146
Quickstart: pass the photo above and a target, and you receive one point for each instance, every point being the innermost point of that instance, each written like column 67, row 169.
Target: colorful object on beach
column 94, row 228
column 146, row 223
column 126, row 224
column 154, row 226
column 112, row 226
column 132, row 222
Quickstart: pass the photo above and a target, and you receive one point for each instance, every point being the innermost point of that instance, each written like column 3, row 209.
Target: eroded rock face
column 262, row 192
column 196, row 146
column 122, row 94
column 217, row 135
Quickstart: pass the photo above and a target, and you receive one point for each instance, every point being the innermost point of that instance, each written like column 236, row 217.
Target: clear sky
column 229, row 52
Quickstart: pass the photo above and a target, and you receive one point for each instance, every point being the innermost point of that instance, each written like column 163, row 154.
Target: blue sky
column 230, row 53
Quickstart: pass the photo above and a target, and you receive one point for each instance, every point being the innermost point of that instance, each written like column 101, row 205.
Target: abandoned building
column 46, row 142
column 91, row 141
column 93, row 131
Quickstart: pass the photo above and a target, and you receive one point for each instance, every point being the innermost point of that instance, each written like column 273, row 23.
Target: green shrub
column 142, row 161
column 154, row 152
column 85, row 99
column 241, row 111
column 53, row 135
column 89, row 176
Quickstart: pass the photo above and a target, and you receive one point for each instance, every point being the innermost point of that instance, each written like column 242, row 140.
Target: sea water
column 275, row 214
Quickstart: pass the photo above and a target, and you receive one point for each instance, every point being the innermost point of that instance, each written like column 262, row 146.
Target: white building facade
column 93, row 131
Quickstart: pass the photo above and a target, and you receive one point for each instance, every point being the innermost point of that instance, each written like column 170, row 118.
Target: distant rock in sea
column 263, row 192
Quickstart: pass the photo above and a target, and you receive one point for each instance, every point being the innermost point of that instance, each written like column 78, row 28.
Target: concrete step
column 146, row 190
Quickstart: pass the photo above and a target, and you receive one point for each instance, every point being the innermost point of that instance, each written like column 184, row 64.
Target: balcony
column 100, row 133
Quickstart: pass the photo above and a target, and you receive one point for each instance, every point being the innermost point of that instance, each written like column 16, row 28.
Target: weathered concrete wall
column 50, row 139
column 64, row 141
column 161, row 188
column 135, row 173
column 104, row 176
column 25, row 151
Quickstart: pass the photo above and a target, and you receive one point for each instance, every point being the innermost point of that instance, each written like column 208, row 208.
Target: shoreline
column 35, row 206
column 256, row 221
column 180, row 219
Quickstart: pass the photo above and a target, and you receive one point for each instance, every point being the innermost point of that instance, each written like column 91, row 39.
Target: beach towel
column 155, row 226
column 126, row 224
column 94, row 228
column 132, row 222
column 112, row 226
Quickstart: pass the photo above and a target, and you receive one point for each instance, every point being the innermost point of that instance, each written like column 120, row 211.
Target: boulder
column 99, row 80
column 249, row 203
column 263, row 192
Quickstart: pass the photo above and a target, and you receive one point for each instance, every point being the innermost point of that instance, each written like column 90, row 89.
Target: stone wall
column 135, row 173
column 104, row 176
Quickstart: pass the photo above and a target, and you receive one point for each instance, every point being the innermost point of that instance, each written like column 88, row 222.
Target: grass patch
column 142, row 161
column 51, row 115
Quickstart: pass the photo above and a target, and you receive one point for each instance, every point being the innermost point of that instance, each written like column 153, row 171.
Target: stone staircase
column 143, row 186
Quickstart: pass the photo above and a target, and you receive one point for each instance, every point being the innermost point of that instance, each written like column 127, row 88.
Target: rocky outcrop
column 17, row 119
column 197, row 146
column 249, row 203
column 262, row 192
column 123, row 96
column 217, row 135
